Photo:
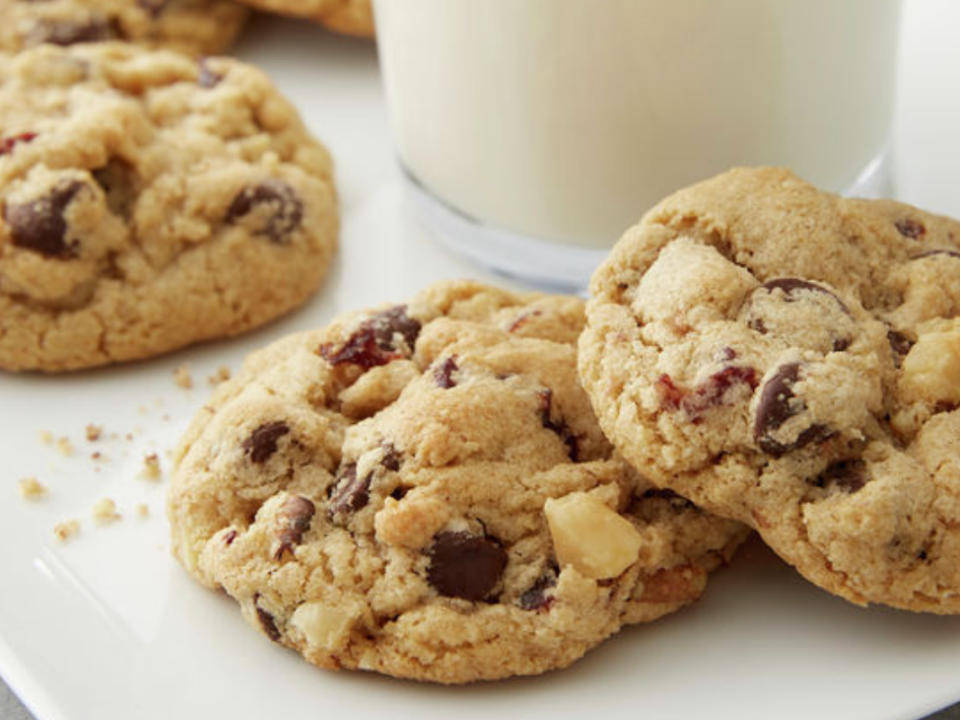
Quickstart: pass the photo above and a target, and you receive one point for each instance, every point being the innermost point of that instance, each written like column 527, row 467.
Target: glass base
column 548, row 264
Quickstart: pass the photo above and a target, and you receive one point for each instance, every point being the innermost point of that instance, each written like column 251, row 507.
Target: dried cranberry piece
column 96, row 29
column 465, row 566
column 443, row 372
column 8, row 143
column 538, row 597
column 294, row 515
column 262, row 442
column 560, row 428
column 375, row 342
column 708, row 394
column 522, row 320
column 938, row 251
column 910, row 228
column 229, row 538
column 349, row 493
column 775, row 408
column 847, row 475
column 40, row 225
column 278, row 205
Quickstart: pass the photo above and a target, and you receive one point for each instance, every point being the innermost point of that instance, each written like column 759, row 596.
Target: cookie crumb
column 65, row 530
column 222, row 375
column 46, row 437
column 182, row 377
column 151, row 467
column 98, row 456
column 105, row 511
column 32, row 489
column 143, row 511
column 64, row 446
column 94, row 432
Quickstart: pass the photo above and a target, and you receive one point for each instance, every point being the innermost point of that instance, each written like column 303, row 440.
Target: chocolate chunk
column 465, row 566
column 443, row 372
column 775, row 408
column 677, row 501
column 913, row 229
column 295, row 515
column 791, row 288
column 538, row 597
column 40, row 225
column 207, row 78
column 96, row 29
column 262, row 442
column 267, row 623
column 350, row 493
column 8, row 143
column 375, row 342
column 710, row 393
column 278, row 208
column 559, row 427
column 847, row 475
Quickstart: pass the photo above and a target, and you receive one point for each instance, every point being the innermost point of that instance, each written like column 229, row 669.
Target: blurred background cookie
column 350, row 17
column 149, row 201
column 195, row 27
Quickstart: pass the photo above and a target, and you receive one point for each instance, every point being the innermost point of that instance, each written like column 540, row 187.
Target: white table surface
column 926, row 149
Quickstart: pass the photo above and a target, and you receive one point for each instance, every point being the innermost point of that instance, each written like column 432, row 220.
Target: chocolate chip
column 278, row 208
column 400, row 492
column 538, row 596
column 775, row 408
column 55, row 32
column 267, row 622
column 389, row 323
column 8, row 143
column 900, row 344
column 443, row 372
column 349, row 493
column 391, row 457
column 791, row 289
column 294, row 515
column 847, row 475
column 708, row 394
column 262, row 442
column 677, row 501
column 465, row 566
column 40, row 225
column 559, row 427
column 913, row 229
column 207, row 78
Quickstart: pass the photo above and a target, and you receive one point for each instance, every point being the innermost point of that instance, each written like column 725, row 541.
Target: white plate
column 108, row 627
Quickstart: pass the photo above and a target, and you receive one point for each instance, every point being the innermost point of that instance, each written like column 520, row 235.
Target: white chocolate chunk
column 931, row 370
column 323, row 626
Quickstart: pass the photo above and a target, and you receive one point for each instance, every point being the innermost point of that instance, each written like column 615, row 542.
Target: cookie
column 196, row 27
column 350, row 17
column 791, row 359
column 423, row 491
column 149, row 201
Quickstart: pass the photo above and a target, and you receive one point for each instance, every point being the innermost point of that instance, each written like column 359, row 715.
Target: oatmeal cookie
column 149, row 201
column 422, row 491
column 791, row 359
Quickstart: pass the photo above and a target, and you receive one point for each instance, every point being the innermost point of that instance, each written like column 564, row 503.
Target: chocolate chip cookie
column 791, row 359
column 350, row 17
column 423, row 491
column 148, row 201
column 196, row 27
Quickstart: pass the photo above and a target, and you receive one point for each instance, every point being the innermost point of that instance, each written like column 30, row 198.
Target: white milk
column 566, row 119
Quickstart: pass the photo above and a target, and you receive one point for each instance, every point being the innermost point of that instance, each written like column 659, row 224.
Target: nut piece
column 931, row 370
column 32, row 489
column 588, row 535
column 323, row 626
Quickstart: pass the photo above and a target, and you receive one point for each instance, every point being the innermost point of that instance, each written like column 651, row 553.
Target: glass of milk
column 533, row 132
